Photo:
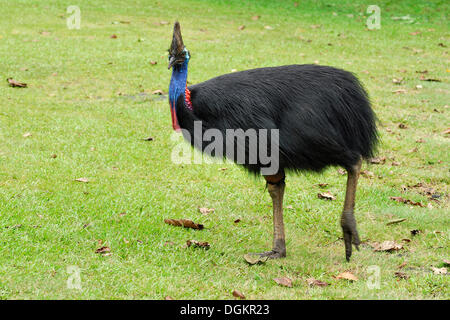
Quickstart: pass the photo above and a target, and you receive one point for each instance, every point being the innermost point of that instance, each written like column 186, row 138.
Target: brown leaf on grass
column 158, row 92
column 397, row 81
column 184, row 223
column 237, row 220
column 415, row 33
column 84, row 180
column 367, row 174
column 314, row 282
column 113, row 36
column 347, row 276
column 423, row 78
column 413, row 150
column 316, row 26
column 401, row 275
column 446, row 131
column 254, row 18
column 168, row 298
column 323, row 185
column 402, row 265
column 407, row 201
column 378, row 160
column 206, row 211
column 283, row 281
column 402, row 126
column 148, row 139
column 395, row 221
column 238, row 294
column 198, row 244
column 387, row 246
column 241, row 28
column 439, row 270
column 27, row 134
column 326, row 195
column 16, row 84
column 399, row 91
column 53, row 156
column 152, row 62
column 254, row 259
column 395, row 163
column 103, row 250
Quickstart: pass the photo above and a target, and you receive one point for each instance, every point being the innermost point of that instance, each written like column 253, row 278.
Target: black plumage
column 322, row 113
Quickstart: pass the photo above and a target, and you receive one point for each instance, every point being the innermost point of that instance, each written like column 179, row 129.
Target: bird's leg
column 348, row 221
column 275, row 185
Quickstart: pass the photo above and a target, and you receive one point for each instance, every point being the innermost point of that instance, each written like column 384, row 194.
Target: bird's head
column 178, row 53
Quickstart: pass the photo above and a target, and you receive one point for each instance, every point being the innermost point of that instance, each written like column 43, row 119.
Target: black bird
column 322, row 115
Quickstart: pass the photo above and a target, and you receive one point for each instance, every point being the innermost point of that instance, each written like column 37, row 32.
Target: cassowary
column 322, row 116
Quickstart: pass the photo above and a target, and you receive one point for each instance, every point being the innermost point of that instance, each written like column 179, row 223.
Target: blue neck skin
column 178, row 82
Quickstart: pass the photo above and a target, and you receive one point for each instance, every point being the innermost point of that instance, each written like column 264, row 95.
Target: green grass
column 89, row 102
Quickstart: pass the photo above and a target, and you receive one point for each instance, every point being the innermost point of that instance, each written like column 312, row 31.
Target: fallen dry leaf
column 206, row 211
column 402, row 265
column 407, row 201
column 402, row 126
column 84, row 180
column 347, row 276
column 103, row 250
column 326, row 195
column 254, row 259
column 148, row 139
column 184, row 223
column 283, row 281
column 197, row 244
column 439, row 270
column 241, row 27
column 153, row 62
column 254, row 18
column 387, row 246
column 113, row 36
column 238, row 294
column 26, row 135
column 401, row 275
column 159, row 92
column 323, row 185
column 237, row 220
column 367, row 174
column 314, row 282
column 395, row 221
column 378, row 160
column 168, row 298
column 16, row 84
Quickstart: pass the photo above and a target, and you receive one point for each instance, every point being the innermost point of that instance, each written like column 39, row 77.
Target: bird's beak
column 172, row 61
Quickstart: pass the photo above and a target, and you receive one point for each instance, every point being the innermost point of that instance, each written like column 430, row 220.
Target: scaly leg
column 348, row 221
column 275, row 185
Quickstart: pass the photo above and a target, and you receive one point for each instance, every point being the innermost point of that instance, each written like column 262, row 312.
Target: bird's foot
column 272, row 254
column 351, row 235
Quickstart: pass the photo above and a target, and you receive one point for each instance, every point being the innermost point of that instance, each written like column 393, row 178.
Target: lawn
column 89, row 107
